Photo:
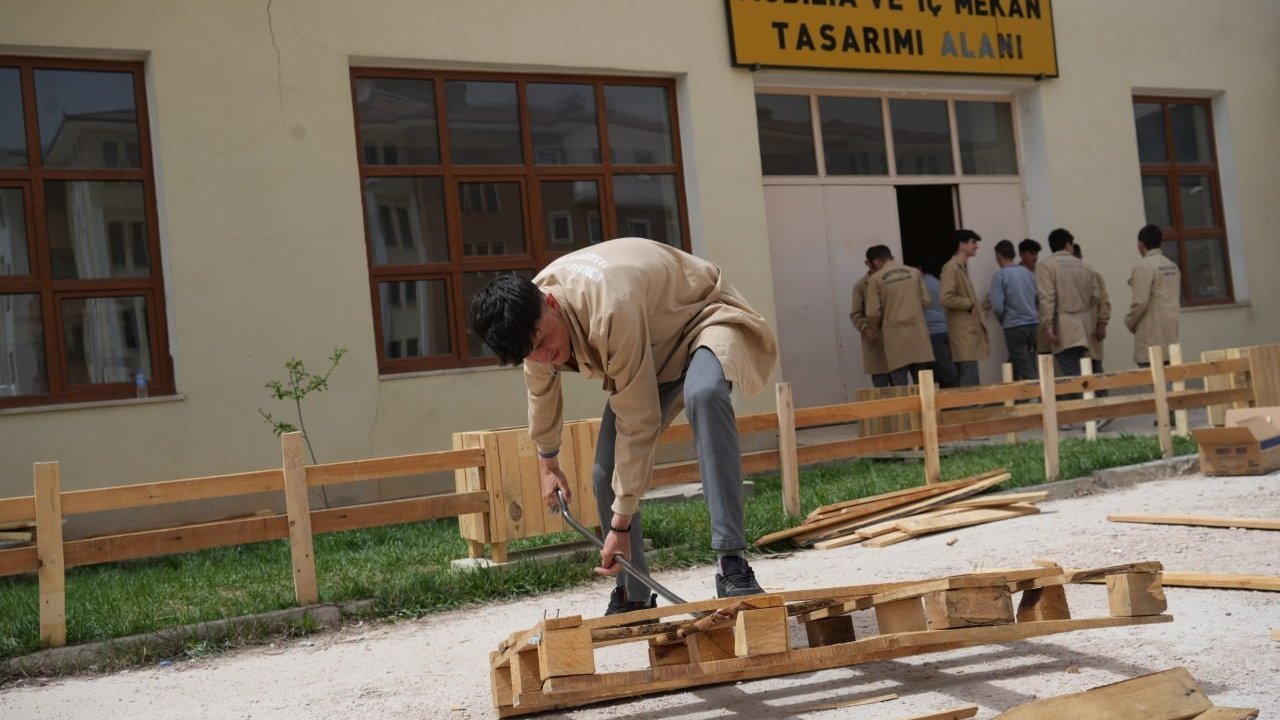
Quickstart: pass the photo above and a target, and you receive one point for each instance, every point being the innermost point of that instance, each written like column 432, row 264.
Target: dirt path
column 437, row 667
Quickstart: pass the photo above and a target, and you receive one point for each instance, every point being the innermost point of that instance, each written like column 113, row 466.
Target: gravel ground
column 437, row 667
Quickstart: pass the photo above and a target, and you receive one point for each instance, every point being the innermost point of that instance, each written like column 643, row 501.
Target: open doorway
column 926, row 219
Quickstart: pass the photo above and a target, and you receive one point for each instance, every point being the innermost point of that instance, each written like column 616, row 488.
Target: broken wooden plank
column 1221, row 581
column 1168, row 695
column 999, row 499
column 843, row 704
column 1067, row 577
column 1227, row 713
column 1198, row 520
column 957, row 713
column 916, row 527
column 887, row 539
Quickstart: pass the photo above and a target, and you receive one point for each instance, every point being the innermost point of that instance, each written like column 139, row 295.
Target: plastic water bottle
column 140, row 384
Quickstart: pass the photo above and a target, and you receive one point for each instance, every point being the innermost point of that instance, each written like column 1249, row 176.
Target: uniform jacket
column 1156, row 283
column 873, row 360
column 966, row 332
column 636, row 310
column 896, row 300
column 1101, row 316
column 1067, row 297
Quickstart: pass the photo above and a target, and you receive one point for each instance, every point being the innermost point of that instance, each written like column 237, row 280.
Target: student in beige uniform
column 896, row 301
column 1101, row 315
column 873, row 360
column 659, row 328
column 965, row 329
column 1067, row 296
column 1156, row 283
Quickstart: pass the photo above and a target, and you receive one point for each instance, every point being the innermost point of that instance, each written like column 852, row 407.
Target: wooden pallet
column 552, row 665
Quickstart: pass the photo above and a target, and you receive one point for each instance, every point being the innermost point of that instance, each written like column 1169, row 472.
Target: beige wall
column 261, row 221
column 260, row 203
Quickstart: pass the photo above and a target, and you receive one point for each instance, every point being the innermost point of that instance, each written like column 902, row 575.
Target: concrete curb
column 1116, row 478
column 73, row 657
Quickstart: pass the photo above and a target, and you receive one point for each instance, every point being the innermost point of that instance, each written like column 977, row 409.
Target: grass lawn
column 405, row 569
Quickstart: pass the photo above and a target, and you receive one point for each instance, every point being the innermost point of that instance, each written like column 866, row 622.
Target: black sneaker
column 738, row 578
column 618, row 604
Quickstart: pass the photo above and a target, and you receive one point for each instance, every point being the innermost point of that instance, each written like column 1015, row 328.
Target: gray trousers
column 966, row 373
column 1022, row 351
column 715, row 441
column 944, row 371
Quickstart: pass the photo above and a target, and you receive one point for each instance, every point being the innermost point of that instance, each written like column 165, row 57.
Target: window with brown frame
column 1182, row 194
column 81, row 292
column 466, row 176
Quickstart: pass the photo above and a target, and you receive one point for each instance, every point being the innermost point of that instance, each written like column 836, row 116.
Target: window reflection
column 646, row 207
column 14, row 259
column 22, row 366
column 1155, row 198
column 13, row 139
column 1191, row 134
column 97, row 229
column 88, row 119
column 492, row 218
column 1149, row 120
column 786, row 135
column 921, row 137
column 571, row 209
column 852, row 135
column 639, row 124
column 106, row 339
column 415, row 319
column 1196, row 195
column 397, row 121
column 406, row 220
column 484, row 123
column 562, row 118
column 985, row 131
column 1207, row 269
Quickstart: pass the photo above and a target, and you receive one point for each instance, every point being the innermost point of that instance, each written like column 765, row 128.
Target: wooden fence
column 496, row 502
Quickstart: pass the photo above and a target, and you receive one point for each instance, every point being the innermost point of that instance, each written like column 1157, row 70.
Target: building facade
column 191, row 194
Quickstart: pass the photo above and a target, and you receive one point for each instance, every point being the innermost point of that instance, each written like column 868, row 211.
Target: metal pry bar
column 637, row 572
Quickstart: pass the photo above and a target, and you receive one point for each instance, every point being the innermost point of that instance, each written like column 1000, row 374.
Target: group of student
column 910, row 320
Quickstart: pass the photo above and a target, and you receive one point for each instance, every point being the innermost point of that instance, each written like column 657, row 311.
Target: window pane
column 13, row 139
column 472, row 283
column 13, row 234
column 786, row 135
column 1207, row 269
column 85, row 115
column 1155, row 198
column 88, row 226
column 563, row 122
column 415, row 319
column 397, row 121
column 406, row 220
column 106, row 339
column 1150, row 125
column 492, row 218
column 985, row 132
column 484, row 123
column 921, row 137
column 639, row 124
column 646, row 207
column 22, row 368
column 852, row 135
column 1196, row 194
column 570, row 208
column 1191, row 133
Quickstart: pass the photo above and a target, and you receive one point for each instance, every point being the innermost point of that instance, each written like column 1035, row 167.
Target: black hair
column 1150, row 237
column 931, row 265
column 1059, row 239
column 962, row 236
column 1004, row 249
column 505, row 315
column 1028, row 246
column 878, row 252
column 1077, row 250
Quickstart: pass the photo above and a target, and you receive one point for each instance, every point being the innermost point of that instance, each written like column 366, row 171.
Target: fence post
column 1179, row 416
column 1006, row 376
column 1049, row 418
column 1090, row 427
column 929, row 427
column 298, row 505
column 787, row 459
column 52, row 576
column 1156, row 355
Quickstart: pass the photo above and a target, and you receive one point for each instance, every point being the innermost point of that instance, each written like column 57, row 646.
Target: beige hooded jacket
column 1156, row 283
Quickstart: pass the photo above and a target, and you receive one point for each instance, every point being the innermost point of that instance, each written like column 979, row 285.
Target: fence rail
column 493, row 470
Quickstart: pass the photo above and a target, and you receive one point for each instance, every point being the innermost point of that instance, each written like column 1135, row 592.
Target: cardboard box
column 1248, row 444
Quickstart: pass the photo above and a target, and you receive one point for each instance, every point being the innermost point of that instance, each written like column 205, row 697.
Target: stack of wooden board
column 890, row 518
column 553, row 665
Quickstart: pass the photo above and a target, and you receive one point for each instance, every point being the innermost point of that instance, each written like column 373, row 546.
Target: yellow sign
column 971, row 37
